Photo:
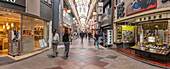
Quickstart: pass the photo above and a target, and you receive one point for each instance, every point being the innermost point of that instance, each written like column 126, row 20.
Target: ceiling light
column 12, row 24
column 8, row 27
column 6, row 24
column 3, row 26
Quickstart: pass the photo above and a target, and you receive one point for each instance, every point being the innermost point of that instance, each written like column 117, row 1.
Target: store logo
column 163, row 1
column 13, row 1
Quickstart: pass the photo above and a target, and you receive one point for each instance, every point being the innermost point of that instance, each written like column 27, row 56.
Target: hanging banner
column 140, row 5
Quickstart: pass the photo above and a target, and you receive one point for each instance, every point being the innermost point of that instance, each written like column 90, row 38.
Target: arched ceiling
column 82, row 9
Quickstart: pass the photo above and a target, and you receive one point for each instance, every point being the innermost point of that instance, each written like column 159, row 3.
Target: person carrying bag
column 55, row 43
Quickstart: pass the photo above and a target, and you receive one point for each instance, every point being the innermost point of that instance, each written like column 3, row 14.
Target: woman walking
column 55, row 43
column 66, row 42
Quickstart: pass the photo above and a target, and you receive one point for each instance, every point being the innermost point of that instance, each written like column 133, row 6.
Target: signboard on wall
column 100, row 10
column 140, row 5
column 18, row 2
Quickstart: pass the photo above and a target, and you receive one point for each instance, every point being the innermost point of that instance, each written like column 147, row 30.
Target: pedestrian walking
column 55, row 43
column 89, row 35
column 82, row 36
column 66, row 42
column 96, row 39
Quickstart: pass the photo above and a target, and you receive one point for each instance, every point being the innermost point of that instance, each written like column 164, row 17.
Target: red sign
column 65, row 9
column 140, row 5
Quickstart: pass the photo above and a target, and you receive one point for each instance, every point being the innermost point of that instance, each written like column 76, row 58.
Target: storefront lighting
column 3, row 26
column 6, row 24
column 156, row 26
column 8, row 27
column 12, row 24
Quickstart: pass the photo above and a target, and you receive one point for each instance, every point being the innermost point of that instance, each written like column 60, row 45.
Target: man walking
column 96, row 39
column 82, row 36
column 89, row 35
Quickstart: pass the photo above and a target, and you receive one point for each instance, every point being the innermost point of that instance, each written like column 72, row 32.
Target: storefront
column 147, row 28
column 21, row 32
column 125, row 36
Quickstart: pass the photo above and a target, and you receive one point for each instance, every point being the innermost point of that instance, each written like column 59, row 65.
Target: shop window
column 33, row 31
column 154, row 35
column 27, row 34
column 38, row 32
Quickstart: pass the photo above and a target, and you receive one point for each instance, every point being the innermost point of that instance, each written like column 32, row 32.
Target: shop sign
column 100, row 10
column 18, row 2
column 100, row 4
column 94, row 13
column 120, row 10
column 41, row 43
column 163, row 1
column 140, row 5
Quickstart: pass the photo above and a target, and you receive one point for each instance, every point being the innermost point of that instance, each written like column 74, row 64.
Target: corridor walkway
column 82, row 56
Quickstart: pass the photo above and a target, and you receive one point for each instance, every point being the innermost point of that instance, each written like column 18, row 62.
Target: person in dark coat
column 82, row 36
column 66, row 42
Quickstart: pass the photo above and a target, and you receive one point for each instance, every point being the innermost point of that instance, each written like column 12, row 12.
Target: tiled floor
column 81, row 56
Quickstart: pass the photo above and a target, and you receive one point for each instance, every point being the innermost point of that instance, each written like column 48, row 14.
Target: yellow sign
column 127, row 28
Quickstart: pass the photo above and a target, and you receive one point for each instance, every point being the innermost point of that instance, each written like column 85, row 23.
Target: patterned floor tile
column 81, row 64
column 111, row 57
column 73, row 60
column 93, row 67
column 55, row 68
column 70, row 66
column 82, row 58
column 97, row 58
column 62, row 62
column 96, row 62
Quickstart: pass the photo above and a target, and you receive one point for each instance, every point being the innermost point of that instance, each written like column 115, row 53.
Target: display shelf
column 147, row 49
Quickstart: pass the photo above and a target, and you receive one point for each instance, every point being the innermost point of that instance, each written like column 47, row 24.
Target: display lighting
column 3, row 26
column 8, row 27
column 12, row 24
column 6, row 24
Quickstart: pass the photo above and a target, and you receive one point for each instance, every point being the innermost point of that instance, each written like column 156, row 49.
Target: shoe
column 66, row 55
column 53, row 56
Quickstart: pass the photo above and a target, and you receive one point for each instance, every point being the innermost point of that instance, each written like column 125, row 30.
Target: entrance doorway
column 8, row 22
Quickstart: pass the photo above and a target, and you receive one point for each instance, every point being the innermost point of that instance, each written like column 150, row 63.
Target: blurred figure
column 66, row 42
column 82, row 36
column 89, row 35
column 96, row 39
column 55, row 43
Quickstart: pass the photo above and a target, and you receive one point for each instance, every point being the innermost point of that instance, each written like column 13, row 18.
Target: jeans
column 67, row 47
column 96, row 41
column 54, row 47
column 82, row 39
column 89, row 38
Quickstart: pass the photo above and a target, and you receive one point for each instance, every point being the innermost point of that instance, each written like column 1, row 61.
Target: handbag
column 55, row 42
